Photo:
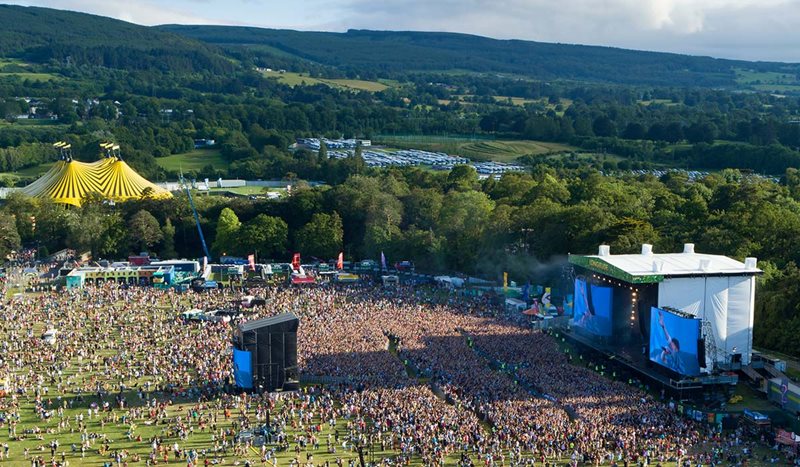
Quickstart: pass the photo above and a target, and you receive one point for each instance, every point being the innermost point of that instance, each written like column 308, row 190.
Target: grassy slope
column 303, row 79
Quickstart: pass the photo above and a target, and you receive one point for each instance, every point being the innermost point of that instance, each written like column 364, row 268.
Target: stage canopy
column 71, row 181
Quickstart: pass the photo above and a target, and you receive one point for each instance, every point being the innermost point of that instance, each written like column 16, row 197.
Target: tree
column 168, row 240
column 265, row 235
column 322, row 236
column 634, row 130
column 227, row 237
column 604, row 126
column 144, row 230
column 462, row 178
column 9, row 237
column 97, row 228
column 463, row 219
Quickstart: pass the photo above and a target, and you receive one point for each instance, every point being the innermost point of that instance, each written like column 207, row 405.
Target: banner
column 383, row 261
column 205, row 264
column 505, row 281
column 340, row 261
column 526, row 292
column 296, row 262
column 546, row 298
column 251, row 260
column 784, row 392
column 243, row 369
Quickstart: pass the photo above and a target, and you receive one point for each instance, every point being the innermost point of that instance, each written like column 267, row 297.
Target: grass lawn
column 358, row 84
column 193, row 160
column 480, row 150
column 303, row 79
column 31, row 76
column 131, row 431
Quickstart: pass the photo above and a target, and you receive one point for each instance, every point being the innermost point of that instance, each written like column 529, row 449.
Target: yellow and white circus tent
column 70, row 182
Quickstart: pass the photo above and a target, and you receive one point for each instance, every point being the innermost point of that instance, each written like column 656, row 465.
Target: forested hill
column 44, row 35
column 387, row 52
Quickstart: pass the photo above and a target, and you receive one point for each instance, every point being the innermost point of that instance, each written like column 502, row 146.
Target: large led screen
column 673, row 341
column 592, row 305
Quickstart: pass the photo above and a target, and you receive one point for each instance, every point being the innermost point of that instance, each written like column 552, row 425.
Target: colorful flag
column 383, row 261
column 251, row 259
column 505, row 281
column 296, row 262
column 340, row 261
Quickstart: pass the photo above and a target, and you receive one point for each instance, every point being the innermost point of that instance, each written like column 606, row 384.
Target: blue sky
column 748, row 29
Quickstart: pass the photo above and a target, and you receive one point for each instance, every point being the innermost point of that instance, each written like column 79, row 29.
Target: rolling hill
column 65, row 38
column 45, row 35
column 391, row 52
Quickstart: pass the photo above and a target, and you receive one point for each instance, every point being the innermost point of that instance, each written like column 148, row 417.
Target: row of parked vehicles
column 223, row 315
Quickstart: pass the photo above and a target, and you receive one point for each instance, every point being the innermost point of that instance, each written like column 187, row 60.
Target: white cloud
column 134, row 11
column 758, row 29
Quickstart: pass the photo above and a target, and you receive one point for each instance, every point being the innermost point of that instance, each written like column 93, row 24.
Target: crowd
column 409, row 381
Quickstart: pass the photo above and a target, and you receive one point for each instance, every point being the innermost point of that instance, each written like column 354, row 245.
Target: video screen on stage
column 673, row 341
column 592, row 305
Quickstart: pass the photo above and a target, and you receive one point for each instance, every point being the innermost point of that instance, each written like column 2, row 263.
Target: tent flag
column 505, row 281
column 251, row 260
column 296, row 262
column 243, row 369
column 205, row 263
column 526, row 291
column 340, row 261
column 383, row 261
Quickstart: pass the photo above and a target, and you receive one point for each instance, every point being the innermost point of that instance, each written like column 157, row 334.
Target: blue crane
column 196, row 218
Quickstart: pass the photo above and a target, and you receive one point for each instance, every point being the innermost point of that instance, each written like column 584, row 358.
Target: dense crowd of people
column 408, row 372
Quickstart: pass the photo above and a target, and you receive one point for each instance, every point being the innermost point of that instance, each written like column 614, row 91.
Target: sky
column 743, row 29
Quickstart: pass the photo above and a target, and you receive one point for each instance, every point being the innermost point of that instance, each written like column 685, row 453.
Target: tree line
column 522, row 223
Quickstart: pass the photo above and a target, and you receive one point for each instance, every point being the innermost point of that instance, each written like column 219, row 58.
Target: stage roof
column 70, row 182
column 269, row 321
column 655, row 267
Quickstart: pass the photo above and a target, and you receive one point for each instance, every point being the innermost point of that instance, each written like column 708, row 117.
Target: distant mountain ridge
column 43, row 35
column 66, row 38
column 388, row 51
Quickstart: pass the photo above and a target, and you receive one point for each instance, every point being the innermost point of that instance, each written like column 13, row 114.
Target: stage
column 638, row 363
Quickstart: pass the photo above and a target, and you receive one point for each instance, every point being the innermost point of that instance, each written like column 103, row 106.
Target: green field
column 768, row 80
column 193, row 160
column 10, row 178
column 476, row 149
column 14, row 68
column 30, row 76
column 303, row 79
